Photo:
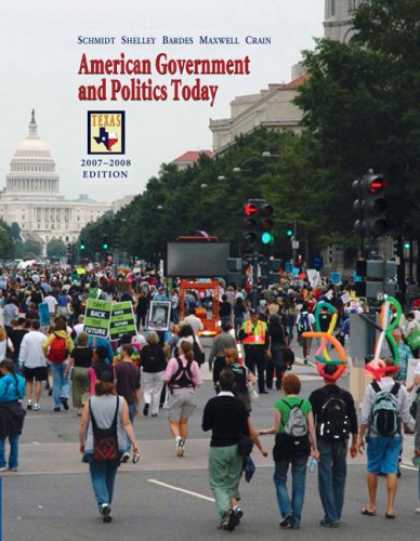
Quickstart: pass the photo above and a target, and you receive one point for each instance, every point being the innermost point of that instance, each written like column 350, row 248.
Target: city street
column 165, row 496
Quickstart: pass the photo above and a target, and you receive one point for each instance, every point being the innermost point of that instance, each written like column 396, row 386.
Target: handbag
column 105, row 440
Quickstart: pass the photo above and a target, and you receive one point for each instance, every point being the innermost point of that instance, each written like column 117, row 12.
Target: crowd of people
column 113, row 382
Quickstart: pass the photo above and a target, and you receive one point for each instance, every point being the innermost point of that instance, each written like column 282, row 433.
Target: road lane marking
column 179, row 489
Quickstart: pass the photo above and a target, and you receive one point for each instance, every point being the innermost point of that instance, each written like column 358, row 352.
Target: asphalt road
column 164, row 497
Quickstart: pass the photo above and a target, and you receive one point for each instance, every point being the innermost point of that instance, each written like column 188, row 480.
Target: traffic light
column 370, row 205
column 266, row 225
column 82, row 247
column 105, row 244
column 290, row 231
column 258, row 223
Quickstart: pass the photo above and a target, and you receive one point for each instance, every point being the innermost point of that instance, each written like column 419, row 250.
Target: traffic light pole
column 254, row 291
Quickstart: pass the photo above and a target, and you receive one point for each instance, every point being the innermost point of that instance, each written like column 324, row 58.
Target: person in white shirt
column 78, row 328
column 195, row 322
column 383, row 449
column 52, row 304
column 34, row 364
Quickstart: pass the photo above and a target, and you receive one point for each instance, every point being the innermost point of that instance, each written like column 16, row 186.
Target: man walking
column 254, row 336
column 385, row 407
column 32, row 360
column 335, row 421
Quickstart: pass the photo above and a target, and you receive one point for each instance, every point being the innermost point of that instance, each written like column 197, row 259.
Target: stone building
column 32, row 197
column 338, row 19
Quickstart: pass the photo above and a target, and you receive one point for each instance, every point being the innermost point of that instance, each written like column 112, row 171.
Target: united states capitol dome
column 32, row 146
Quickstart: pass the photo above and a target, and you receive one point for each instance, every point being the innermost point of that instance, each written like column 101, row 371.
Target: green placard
column 122, row 320
column 97, row 317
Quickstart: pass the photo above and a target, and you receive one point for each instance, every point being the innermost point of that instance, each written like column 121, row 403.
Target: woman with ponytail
column 183, row 377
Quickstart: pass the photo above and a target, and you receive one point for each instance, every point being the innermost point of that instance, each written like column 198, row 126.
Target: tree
column 209, row 196
column 361, row 102
column 6, row 242
column 31, row 249
column 15, row 232
column 56, row 248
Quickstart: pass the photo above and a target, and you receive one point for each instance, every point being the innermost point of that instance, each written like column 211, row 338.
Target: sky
column 40, row 60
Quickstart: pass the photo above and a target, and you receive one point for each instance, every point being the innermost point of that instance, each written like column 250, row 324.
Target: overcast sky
column 40, row 59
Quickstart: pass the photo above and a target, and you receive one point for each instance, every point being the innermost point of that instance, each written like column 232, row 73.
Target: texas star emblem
column 106, row 132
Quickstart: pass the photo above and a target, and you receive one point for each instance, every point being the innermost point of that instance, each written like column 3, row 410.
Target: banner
column 122, row 320
column 97, row 317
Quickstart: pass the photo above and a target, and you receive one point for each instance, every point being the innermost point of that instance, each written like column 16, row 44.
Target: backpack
column 182, row 378
column 303, row 324
column 293, row 440
column 297, row 425
column 334, row 422
column 57, row 353
column 105, row 440
column 385, row 419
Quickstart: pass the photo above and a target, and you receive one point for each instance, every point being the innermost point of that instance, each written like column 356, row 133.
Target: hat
column 253, row 312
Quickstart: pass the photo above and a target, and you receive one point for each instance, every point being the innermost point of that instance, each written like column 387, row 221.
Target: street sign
column 295, row 244
column 317, row 263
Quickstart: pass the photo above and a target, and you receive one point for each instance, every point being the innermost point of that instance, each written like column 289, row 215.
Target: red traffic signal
column 250, row 209
column 376, row 184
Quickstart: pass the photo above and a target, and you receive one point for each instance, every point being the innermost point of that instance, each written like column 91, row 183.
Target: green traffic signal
column 407, row 245
column 82, row 246
column 105, row 246
column 267, row 238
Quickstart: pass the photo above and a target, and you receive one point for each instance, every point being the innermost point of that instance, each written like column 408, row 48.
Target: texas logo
column 106, row 132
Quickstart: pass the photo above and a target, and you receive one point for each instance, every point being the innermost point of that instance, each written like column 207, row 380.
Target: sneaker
column 4, row 469
column 154, row 414
column 178, row 447
column 305, row 361
column 57, row 409
column 417, row 510
column 125, row 457
column 146, row 410
column 324, row 523
column 29, row 405
column 13, row 470
column 37, row 407
column 181, row 447
column 238, row 513
column 65, row 403
column 106, row 512
column 229, row 521
column 286, row 522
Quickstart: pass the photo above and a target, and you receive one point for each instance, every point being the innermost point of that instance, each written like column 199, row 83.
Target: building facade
column 32, row 197
column 338, row 19
column 273, row 107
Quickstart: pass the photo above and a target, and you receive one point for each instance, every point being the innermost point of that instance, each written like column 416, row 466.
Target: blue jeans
column 60, row 384
column 13, row 457
column 332, row 472
column 132, row 412
column 293, row 508
column 102, row 475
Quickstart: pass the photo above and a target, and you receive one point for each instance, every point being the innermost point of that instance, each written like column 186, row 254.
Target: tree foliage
column 56, row 248
column 361, row 102
column 209, row 196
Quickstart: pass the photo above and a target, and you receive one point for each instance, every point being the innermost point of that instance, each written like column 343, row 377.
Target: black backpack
column 334, row 421
column 182, row 378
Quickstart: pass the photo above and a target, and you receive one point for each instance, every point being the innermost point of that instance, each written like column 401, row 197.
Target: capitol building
column 32, row 197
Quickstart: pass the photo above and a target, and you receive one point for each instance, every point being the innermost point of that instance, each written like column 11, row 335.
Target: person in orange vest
column 254, row 336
